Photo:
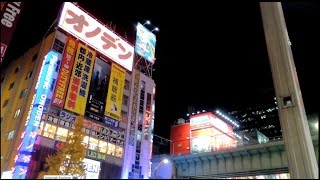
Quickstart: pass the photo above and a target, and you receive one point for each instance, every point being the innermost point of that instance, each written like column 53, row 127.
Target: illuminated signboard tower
column 138, row 147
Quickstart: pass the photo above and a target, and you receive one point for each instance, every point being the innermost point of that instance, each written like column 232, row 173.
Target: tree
column 69, row 159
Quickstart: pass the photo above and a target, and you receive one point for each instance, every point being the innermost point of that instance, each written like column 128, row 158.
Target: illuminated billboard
column 64, row 74
column 98, row 90
column 91, row 169
column 33, row 121
column 220, row 124
column 209, row 133
column 208, row 120
column 81, row 25
column 10, row 15
column 145, row 43
column 115, row 92
column 199, row 121
column 80, row 79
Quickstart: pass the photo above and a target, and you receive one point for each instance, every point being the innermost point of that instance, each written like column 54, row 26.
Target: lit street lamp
column 155, row 29
column 147, row 22
column 166, row 161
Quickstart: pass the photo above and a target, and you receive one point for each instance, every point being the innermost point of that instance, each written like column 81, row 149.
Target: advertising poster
column 115, row 92
column 145, row 43
column 98, row 90
column 64, row 74
column 201, row 144
column 80, row 80
column 53, row 82
column 10, row 15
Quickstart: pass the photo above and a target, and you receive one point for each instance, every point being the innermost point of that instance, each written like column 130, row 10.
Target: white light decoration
column 227, row 118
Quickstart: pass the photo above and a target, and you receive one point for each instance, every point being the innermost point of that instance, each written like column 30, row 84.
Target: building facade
column 72, row 77
column 204, row 132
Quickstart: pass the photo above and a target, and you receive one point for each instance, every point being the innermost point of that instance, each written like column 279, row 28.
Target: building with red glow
column 204, row 132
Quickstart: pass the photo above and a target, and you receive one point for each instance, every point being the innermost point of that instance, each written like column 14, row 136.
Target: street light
column 166, row 161
column 147, row 22
column 316, row 125
column 155, row 29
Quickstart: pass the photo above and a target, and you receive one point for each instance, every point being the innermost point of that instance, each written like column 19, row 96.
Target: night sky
column 208, row 55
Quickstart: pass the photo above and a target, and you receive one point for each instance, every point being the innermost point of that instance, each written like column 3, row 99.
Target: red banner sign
column 64, row 74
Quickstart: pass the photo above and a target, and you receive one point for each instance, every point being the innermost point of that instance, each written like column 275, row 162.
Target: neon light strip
column 34, row 116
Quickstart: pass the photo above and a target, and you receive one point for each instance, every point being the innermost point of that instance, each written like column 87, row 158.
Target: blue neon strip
column 34, row 120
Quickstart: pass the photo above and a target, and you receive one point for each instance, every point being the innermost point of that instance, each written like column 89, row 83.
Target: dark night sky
column 208, row 56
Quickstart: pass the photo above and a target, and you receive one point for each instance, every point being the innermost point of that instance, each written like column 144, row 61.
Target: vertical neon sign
column 28, row 137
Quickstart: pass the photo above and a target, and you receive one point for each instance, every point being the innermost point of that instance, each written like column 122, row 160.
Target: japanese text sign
column 10, row 15
column 80, row 80
column 86, row 28
column 145, row 43
column 64, row 74
column 115, row 92
column 34, row 117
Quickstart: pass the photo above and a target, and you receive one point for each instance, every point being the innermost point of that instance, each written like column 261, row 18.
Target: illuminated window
column 103, row 146
column 85, row 141
column 5, row 103
column 10, row 134
column 93, row 144
column 49, row 131
column 41, row 128
column 62, row 134
column 17, row 113
column 11, row 85
column 111, row 149
column 119, row 151
column 124, row 117
column 29, row 75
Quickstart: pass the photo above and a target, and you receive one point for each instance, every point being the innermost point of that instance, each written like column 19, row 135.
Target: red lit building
column 180, row 135
column 204, row 132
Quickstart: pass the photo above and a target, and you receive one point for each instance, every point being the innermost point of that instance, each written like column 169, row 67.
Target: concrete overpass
column 250, row 160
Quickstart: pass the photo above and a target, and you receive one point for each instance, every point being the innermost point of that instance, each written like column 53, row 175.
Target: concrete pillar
column 301, row 156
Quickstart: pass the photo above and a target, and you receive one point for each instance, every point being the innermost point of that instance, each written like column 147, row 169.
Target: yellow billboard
column 80, row 80
column 115, row 92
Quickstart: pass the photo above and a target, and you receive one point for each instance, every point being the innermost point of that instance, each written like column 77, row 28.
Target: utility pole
column 302, row 161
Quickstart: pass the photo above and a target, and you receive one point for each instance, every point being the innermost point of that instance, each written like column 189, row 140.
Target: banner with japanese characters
column 64, row 74
column 86, row 28
column 10, row 15
column 98, row 90
column 53, row 83
column 80, row 80
column 115, row 92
